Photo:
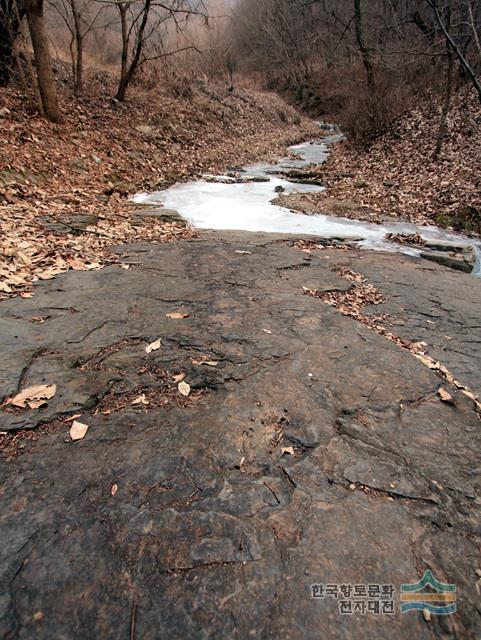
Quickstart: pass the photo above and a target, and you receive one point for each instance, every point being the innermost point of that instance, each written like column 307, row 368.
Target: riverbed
column 245, row 204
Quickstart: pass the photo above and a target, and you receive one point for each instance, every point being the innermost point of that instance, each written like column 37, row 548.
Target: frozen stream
column 246, row 206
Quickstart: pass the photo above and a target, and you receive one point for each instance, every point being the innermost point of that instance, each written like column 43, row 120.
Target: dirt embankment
column 64, row 188
column 398, row 177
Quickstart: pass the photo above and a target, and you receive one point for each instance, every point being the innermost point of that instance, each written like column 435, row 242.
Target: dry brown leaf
column 287, row 451
column 71, row 418
column 427, row 361
column 78, row 430
column 445, row 396
column 140, row 400
column 114, row 489
column 177, row 315
column 184, row 388
column 34, row 397
column 154, row 346
column 178, row 377
column 208, row 363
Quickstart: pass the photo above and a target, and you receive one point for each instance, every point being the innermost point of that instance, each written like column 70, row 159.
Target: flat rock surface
column 309, row 450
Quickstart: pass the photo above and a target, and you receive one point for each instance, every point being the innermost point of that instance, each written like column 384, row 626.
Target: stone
column 74, row 223
column 146, row 130
column 141, row 216
column 205, row 502
column 464, row 261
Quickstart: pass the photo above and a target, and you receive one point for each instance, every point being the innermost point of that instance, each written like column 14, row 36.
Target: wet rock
column 74, row 223
column 142, row 216
column 154, row 523
column 464, row 261
column 303, row 177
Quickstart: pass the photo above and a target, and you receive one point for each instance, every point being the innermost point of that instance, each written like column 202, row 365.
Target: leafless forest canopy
column 358, row 60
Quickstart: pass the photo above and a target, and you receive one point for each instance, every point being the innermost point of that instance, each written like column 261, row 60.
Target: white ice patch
column 247, row 207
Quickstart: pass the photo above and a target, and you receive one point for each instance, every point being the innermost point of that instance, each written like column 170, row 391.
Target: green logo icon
column 438, row 598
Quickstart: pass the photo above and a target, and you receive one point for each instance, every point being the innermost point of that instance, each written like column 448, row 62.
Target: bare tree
column 455, row 40
column 80, row 17
column 364, row 50
column 46, row 79
column 141, row 22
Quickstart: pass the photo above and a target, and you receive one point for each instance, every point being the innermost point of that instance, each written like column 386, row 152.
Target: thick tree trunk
column 363, row 48
column 46, row 80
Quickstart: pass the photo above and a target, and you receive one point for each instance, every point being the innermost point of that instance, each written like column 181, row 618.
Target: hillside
column 81, row 172
column 398, row 178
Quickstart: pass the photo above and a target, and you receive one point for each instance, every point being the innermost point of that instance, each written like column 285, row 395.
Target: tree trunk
column 465, row 65
column 361, row 43
column 443, row 124
column 46, row 80
column 120, row 95
column 79, row 45
column 127, row 73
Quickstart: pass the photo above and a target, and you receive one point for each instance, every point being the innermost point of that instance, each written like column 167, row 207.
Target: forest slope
column 81, row 172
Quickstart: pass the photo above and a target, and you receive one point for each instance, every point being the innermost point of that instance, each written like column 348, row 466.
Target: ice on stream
column 247, row 206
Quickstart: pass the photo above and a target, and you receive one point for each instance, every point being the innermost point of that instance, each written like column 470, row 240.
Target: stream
column 224, row 203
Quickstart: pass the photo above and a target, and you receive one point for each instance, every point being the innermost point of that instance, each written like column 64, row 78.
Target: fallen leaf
column 445, row 396
column 184, row 388
column 34, row 397
column 244, row 253
column 427, row 361
column 419, row 347
column 287, row 451
column 177, row 315
column 71, row 418
column 125, row 266
column 78, row 430
column 178, row 377
column 140, row 400
column 208, row 363
column 114, row 489
column 76, row 265
column 154, row 346
column 267, row 331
